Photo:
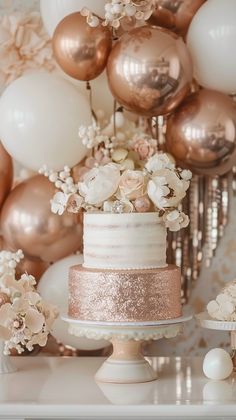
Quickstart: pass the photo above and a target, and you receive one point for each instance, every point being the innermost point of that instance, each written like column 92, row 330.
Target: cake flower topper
column 25, row 318
column 122, row 175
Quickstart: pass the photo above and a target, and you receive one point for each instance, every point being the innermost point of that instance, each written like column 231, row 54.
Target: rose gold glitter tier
column 119, row 296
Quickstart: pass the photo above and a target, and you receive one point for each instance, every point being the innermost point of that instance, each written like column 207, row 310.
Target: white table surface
column 64, row 388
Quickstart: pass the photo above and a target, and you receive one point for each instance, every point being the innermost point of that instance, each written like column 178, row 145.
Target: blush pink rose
column 145, row 147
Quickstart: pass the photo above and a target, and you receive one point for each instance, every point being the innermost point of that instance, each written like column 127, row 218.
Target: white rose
column 132, row 184
column 100, row 184
column 159, row 161
column 175, row 220
column 166, row 189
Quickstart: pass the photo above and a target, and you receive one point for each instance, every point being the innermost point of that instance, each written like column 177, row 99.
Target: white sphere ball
column 53, row 287
column 217, row 364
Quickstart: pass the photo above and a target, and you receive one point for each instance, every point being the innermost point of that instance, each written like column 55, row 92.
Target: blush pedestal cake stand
column 206, row 321
column 127, row 363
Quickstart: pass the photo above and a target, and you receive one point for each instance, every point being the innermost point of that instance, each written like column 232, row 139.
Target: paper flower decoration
column 24, row 46
column 25, row 318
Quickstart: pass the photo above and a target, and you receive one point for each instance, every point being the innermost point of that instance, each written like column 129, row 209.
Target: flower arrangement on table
column 121, row 176
column 223, row 307
column 25, row 318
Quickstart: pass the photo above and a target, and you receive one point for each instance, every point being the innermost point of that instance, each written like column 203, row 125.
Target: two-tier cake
column 124, row 276
column 130, row 200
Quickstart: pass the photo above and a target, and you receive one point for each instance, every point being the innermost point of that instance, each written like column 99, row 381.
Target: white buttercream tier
column 124, row 241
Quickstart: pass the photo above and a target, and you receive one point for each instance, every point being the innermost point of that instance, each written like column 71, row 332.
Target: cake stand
column 206, row 321
column 127, row 363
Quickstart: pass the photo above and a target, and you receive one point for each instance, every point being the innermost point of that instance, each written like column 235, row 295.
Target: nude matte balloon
column 39, row 118
column 6, row 174
column 149, row 71
column 175, row 15
column 27, row 222
column 201, row 134
column 211, row 41
column 53, row 287
column 81, row 50
column 53, row 11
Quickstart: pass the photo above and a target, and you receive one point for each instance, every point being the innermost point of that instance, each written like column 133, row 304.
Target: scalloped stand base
column 126, row 365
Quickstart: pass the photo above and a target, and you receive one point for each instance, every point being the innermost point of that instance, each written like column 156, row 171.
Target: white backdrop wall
column 194, row 341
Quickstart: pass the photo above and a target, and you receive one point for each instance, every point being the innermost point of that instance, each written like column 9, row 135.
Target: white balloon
column 102, row 99
column 211, row 41
column 217, row 364
column 53, row 287
column 53, row 11
column 40, row 114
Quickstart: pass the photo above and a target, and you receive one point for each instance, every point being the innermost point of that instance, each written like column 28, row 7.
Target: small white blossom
column 59, row 203
column 186, row 175
column 175, row 220
column 92, row 20
column 116, row 10
column 92, row 136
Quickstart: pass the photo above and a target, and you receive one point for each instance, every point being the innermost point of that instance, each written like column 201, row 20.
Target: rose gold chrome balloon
column 6, row 174
column 80, row 50
column 201, row 135
column 27, row 223
column 175, row 15
column 149, row 71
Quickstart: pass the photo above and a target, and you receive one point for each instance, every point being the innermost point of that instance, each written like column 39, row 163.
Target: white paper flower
column 159, row 161
column 100, row 184
column 186, row 175
column 59, row 203
column 166, row 189
column 175, row 220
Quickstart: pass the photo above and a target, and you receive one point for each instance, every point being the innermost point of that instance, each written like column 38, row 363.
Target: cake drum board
column 183, row 318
